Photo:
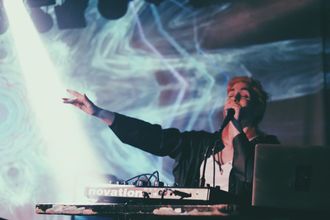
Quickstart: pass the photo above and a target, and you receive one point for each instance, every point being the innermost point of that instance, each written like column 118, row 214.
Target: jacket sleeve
column 153, row 138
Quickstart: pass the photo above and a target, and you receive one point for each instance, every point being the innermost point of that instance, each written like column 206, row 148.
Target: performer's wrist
column 105, row 115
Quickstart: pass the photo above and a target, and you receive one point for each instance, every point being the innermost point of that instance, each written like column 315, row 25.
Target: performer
column 232, row 148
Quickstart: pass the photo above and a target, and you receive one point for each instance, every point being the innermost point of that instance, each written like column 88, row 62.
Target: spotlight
column 112, row 9
column 71, row 14
column 42, row 21
column 3, row 19
column 39, row 3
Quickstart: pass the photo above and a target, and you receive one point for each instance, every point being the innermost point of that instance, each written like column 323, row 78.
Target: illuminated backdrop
column 167, row 64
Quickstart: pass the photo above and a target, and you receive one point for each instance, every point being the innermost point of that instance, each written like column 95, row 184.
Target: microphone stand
column 202, row 181
column 228, row 118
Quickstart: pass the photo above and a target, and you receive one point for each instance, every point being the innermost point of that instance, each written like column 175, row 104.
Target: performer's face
column 241, row 99
column 239, row 94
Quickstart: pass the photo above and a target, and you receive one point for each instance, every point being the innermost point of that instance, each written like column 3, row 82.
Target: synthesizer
column 173, row 195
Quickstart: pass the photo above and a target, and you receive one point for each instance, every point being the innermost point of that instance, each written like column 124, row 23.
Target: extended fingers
column 69, row 101
column 78, row 97
column 74, row 93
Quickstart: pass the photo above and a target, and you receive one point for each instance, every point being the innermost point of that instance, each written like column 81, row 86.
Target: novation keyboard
column 113, row 193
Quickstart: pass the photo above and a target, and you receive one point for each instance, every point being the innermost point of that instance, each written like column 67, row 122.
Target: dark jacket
column 188, row 150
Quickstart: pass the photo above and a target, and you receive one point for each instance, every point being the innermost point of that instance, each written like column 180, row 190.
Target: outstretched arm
column 82, row 102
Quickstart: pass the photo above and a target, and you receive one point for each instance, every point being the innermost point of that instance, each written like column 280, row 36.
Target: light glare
column 68, row 148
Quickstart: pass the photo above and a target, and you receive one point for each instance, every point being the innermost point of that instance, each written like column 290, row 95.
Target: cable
column 148, row 177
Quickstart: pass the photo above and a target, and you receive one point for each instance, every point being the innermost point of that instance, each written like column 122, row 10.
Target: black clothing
column 188, row 149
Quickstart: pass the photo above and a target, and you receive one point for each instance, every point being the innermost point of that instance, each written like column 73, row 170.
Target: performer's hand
column 81, row 101
column 230, row 131
column 231, row 104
